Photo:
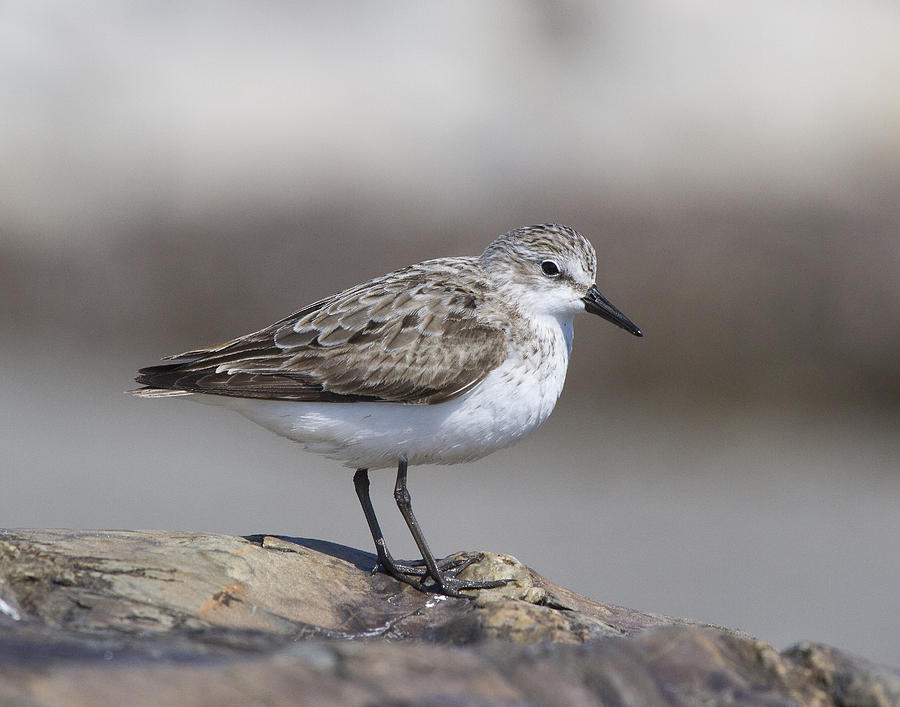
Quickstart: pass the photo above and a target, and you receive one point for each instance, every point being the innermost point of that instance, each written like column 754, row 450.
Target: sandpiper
column 441, row 362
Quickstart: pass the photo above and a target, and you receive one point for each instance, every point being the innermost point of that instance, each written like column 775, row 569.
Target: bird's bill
column 596, row 303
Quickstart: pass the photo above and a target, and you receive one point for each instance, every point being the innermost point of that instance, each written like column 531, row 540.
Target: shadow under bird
column 441, row 362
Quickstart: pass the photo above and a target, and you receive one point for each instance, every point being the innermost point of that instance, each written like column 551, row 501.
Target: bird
column 441, row 362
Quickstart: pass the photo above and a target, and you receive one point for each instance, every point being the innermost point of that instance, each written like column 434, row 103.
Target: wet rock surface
column 146, row 617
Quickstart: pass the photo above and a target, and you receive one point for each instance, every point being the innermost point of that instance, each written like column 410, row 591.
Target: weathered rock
column 150, row 582
column 152, row 617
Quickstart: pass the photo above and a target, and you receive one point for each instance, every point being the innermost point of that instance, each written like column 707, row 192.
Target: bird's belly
column 511, row 402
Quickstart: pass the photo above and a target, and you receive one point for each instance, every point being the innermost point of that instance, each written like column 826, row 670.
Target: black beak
column 596, row 303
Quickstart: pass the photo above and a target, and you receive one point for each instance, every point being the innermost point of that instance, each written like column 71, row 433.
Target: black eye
column 549, row 268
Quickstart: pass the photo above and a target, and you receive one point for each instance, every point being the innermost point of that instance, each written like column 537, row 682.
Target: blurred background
column 175, row 174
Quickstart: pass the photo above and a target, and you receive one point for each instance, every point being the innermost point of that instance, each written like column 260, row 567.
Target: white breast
column 510, row 403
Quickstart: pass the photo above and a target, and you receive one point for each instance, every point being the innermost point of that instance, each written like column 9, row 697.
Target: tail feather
column 159, row 382
column 157, row 393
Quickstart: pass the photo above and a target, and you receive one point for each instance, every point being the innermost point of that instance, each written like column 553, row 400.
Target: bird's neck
column 559, row 329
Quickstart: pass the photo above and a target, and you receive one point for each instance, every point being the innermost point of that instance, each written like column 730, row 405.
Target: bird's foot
column 453, row 586
column 445, row 580
column 418, row 568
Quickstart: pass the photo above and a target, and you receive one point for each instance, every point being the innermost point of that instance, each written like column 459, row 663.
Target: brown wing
column 411, row 337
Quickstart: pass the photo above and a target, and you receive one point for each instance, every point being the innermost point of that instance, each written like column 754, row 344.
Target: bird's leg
column 385, row 559
column 445, row 582
column 396, row 570
column 404, row 503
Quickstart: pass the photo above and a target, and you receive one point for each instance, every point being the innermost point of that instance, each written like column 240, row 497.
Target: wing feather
column 387, row 340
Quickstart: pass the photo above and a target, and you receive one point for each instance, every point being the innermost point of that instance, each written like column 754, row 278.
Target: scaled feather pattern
column 419, row 335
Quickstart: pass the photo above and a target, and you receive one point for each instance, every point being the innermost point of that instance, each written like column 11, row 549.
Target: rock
column 147, row 617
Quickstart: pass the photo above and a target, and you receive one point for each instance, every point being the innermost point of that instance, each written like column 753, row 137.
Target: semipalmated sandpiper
column 438, row 363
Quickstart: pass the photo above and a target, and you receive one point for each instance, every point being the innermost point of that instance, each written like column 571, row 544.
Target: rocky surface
column 148, row 617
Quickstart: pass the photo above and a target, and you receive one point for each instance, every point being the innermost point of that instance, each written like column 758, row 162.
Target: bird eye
column 549, row 268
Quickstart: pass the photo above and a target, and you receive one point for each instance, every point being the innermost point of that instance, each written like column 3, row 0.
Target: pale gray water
column 781, row 522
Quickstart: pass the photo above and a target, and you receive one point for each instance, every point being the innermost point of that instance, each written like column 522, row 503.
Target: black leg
column 398, row 572
column 443, row 573
column 446, row 581
column 404, row 503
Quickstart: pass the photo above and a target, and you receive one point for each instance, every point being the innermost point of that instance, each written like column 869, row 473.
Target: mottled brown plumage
column 417, row 335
